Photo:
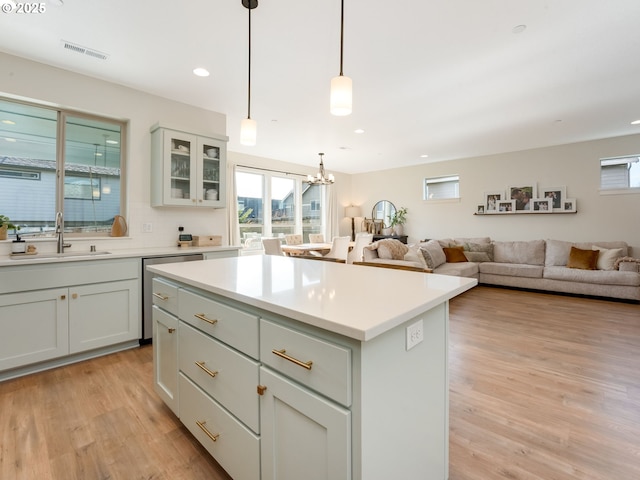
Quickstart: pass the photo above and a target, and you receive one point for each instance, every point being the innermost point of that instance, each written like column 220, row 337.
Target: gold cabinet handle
column 160, row 296
column 171, row 330
column 205, row 430
column 63, row 297
column 203, row 317
column 261, row 389
column 210, row 372
column 283, row 354
column 74, row 295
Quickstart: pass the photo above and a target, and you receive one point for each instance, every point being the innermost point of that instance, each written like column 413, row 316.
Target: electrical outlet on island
column 415, row 334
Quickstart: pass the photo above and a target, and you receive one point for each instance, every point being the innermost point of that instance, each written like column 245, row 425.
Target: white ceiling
column 447, row 78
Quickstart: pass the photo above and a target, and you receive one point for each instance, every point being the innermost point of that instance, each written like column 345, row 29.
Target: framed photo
column 569, row 205
column 557, row 196
column 506, row 206
column 522, row 195
column 480, row 210
column 542, row 205
column 491, row 200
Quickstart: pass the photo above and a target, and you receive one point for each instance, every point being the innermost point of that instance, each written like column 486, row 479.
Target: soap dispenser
column 18, row 245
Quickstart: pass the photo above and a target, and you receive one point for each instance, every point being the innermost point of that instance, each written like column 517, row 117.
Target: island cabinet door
column 304, row 436
column 165, row 357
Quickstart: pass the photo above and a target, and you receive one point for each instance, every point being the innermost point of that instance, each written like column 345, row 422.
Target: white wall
column 576, row 166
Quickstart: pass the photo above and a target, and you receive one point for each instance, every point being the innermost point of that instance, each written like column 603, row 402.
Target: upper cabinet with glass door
column 187, row 169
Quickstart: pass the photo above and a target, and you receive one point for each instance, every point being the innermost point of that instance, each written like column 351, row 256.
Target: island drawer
column 320, row 365
column 165, row 295
column 226, row 375
column 235, row 447
column 229, row 325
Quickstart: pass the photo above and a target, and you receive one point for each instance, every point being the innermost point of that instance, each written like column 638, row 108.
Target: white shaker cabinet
column 187, row 170
column 57, row 313
column 34, row 327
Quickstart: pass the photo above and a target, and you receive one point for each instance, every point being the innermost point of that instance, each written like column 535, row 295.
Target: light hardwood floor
column 543, row 387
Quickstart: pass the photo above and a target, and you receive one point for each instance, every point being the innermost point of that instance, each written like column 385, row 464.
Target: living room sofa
column 548, row 265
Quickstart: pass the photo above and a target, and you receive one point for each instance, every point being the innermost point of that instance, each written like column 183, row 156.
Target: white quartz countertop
column 356, row 301
column 74, row 255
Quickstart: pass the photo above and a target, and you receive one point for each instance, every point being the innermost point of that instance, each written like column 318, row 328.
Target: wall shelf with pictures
column 527, row 199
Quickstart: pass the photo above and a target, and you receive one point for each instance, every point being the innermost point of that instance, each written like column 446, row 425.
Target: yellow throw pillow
column 583, row 259
column 454, row 254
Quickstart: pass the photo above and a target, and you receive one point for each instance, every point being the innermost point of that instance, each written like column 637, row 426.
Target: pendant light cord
column 341, row 33
column 249, row 82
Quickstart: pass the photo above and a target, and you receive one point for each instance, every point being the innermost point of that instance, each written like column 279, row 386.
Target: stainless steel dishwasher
column 147, row 304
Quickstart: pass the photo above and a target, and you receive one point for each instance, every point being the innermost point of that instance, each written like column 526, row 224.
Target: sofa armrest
column 369, row 253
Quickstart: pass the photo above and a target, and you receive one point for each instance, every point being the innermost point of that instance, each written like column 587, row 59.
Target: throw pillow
column 454, row 254
column 607, row 257
column 392, row 249
column 478, row 252
column 582, row 259
column 415, row 255
column 433, row 254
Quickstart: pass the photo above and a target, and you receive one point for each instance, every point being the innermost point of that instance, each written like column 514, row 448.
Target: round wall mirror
column 383, row 210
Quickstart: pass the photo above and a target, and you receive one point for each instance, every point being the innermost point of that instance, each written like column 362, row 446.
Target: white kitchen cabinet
column 34, row 327
column 303, row 434
column 103, row 314
column 165, row 357
column 187, row 170
column 57, row 313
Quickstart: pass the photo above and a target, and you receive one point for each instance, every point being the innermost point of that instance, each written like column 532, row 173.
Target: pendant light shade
column 341, row 97
column 248, row 132
column 341, row 86
column 248, row 126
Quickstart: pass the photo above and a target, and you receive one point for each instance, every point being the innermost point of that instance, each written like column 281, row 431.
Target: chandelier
column 321, row 178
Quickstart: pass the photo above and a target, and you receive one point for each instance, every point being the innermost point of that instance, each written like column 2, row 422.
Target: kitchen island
column 289, row 368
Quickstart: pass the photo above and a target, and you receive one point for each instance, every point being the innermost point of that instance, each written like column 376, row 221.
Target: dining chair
column 339, row 248
column 272, row 246
column 294, row 239
column 362, row 240
column 316, row 238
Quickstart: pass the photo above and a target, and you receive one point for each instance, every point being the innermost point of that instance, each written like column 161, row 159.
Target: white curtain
column 233, row 227
column 330, row 219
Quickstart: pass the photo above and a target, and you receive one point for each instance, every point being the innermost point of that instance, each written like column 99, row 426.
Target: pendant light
column 321, row 177
column 341, row 86
column 248, row 126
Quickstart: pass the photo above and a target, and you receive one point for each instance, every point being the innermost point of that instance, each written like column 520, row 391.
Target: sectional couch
column 549, row 265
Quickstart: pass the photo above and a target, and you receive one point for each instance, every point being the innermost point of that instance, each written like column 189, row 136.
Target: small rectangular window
column 620, row 173
column 439, row 188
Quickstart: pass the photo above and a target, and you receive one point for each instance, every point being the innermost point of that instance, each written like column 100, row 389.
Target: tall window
column 272, row 204
column 57, row 161
column 620, row 173
column 438, row 188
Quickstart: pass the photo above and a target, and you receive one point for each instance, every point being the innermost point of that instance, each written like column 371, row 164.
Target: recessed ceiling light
column 201, row 72
column 519, row 29
column 635, row 122
column 9, row 122
column 9, row 139
column 359, row 130
column 424, row 156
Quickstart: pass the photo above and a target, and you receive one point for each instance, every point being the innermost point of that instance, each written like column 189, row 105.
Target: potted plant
column 5, row 224
column 398, row 220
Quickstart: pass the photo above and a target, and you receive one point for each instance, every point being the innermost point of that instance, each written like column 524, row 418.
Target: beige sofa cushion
column 557, row 251
column 512, row 269
column 460, row 269
column 602, row 277
column 530, row 252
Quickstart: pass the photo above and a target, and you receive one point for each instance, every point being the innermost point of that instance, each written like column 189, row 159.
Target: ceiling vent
column 74, row 47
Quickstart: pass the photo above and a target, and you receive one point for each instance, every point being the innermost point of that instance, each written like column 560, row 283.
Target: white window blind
column 438, row 188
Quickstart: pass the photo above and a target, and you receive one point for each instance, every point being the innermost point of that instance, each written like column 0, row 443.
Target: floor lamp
column 353, row 212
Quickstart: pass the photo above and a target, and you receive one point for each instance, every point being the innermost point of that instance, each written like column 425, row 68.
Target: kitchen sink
column 59, row 255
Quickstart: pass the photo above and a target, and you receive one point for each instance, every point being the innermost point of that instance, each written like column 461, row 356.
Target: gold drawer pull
column 171, row 330
column 209, row 434
column 203, row 317
column 211, row 373
column 283, row 354
column 160, row 296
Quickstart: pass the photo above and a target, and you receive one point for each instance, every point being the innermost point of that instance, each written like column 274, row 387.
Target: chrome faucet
column 60, row 234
